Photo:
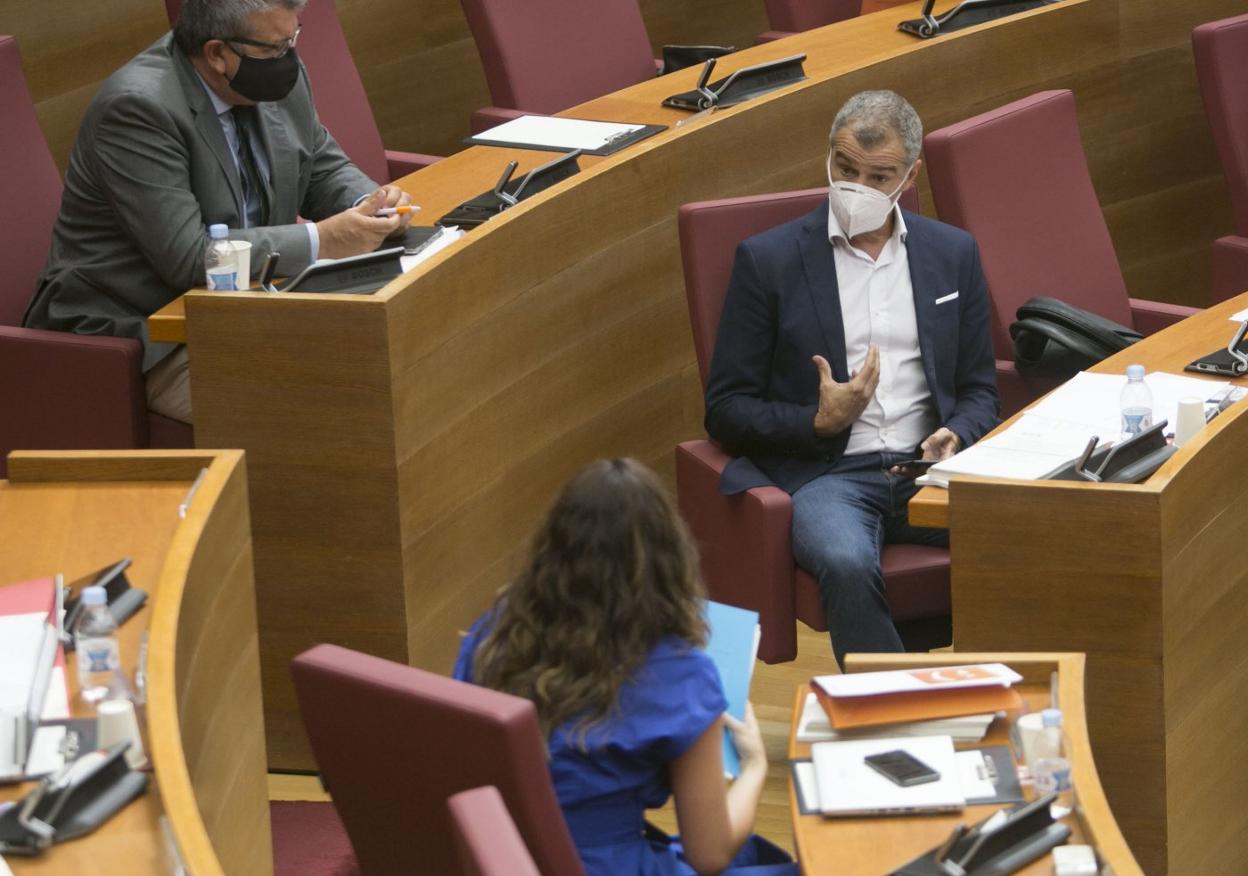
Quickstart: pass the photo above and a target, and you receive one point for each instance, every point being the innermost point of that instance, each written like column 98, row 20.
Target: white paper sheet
column 445, row 238
column 20, row 639
column 555, row 133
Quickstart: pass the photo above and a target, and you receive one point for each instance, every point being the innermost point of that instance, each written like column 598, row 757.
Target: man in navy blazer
column 853, row 339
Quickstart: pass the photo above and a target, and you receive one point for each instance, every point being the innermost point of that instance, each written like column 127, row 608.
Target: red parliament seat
column 745, row 540
column 1017, row 179
column 58, row 391
column 788, row 17
column 543, row 56
column 1221, row 50
column 487, row 839
column 341, row 101
column 393, row 743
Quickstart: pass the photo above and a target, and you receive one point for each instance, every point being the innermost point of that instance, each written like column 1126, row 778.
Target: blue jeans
column 841, row 520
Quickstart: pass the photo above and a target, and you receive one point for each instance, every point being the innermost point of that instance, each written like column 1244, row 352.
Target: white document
column 21, row 639
column 554, row 133
column 56, row 704
column 974, row 778
column 847, row 786
column 893, row 681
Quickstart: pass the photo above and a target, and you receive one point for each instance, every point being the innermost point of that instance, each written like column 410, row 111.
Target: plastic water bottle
column 1137, row 403
column 95, row 640
column 220, row 261
column 1052, row 772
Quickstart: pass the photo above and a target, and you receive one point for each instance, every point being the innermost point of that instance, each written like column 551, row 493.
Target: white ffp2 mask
column 858, row 208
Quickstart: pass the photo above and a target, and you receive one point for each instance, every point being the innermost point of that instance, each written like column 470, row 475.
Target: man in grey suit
column 212, row 124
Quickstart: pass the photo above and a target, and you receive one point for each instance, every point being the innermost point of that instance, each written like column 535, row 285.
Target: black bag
column 1055, row 339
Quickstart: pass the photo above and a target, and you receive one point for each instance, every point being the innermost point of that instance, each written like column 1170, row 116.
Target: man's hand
column 842, row 403
column 941, row 444
column 356, row 231
column 393, row 196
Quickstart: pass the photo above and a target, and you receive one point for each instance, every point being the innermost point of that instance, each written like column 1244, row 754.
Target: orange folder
column 923, row 705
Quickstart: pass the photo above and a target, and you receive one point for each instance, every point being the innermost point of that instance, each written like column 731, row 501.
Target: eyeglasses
column 279, row 49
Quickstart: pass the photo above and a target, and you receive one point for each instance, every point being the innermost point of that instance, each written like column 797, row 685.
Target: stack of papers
column 1056, row 430
column 550, row 132
column 814, row 726
column 872, row 699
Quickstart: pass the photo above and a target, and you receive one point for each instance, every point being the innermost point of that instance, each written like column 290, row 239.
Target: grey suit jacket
column 150, row 171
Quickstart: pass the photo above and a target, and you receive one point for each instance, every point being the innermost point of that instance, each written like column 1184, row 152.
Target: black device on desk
column 1127, row 462
column 968, row 13
column 508, row 192
column 740, row 86
column 1231, row 361
column 354, row 275
column 1024, row 833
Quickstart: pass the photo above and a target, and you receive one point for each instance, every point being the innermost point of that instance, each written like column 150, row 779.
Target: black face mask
column 265, row 79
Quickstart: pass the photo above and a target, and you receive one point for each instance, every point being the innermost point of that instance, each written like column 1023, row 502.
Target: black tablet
column 354, row 275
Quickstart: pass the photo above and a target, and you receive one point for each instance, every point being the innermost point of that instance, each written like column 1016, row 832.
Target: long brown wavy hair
column 611, row 571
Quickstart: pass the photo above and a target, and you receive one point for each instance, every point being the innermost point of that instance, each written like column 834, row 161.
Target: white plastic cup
column 1191, row 419
column 242, row 252
column 116, row 722
column 1030, row 734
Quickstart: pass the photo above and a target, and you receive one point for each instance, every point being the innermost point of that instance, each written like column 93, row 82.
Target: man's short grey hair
column 203, row 20
column 870, row 115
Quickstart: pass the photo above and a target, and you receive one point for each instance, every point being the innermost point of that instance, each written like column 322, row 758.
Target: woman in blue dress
column 603, row 630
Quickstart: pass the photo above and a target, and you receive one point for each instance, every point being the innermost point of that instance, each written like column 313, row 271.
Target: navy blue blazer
column 782, row 307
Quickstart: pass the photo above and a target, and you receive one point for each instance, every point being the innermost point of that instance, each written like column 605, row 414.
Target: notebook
column 848, row 787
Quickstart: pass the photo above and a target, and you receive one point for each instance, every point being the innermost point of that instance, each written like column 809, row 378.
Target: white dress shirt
column 877, row 307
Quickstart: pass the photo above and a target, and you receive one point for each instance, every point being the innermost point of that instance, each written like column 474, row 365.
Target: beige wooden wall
column 1155, row 172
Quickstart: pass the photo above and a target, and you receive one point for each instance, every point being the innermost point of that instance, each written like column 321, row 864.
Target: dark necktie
column 255, row 192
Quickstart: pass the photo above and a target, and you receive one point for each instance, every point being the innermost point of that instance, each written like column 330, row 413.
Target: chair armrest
column 1016, row 390
column 1153, row 316
column 62, row 391
column 1230, row 268
column 399, row 164
column 771, row 36
column 744, row 542
column 489, row 116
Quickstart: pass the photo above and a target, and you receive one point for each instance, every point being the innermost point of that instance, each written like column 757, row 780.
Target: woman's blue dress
column 606, row 786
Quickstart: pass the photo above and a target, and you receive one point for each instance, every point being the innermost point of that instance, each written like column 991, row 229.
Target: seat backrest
column 544, row 56
column 1016, row 178
column 393, row 743
column 709, row 234
column 341, row 100
column 1221, row 50
column 30, row 189
column 798, row 15
column 486, row 837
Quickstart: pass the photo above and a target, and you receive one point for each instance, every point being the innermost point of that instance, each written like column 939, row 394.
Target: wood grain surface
column 202, row 719
column 869, row 846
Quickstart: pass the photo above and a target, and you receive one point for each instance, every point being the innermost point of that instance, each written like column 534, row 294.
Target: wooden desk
column 1169, row 350
column 870, row 846
column 1147, row 580
column 76, row 512
column 402, row 446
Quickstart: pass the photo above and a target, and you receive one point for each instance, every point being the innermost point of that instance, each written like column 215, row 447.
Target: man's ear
column 214, row 52
column 913, row 177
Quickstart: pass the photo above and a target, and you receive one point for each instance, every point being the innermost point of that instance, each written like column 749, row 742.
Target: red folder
column 28, row 597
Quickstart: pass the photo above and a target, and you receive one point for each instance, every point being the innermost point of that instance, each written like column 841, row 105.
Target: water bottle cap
column 1051, row 718
column 1135, row 372
column 94, row 595
column 218, row 232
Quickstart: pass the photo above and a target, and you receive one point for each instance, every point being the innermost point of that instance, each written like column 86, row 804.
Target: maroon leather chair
column 543, row 56
column 341, row 101
column 1016, row 178
column 393, row 743
column 788, row 17
column 58, row 391
column 1221, row 50
column 486, row 837
column 745, row 540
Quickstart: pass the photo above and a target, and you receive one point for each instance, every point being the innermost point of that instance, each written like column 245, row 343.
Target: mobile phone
column 922, row 464
column 901, row 768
